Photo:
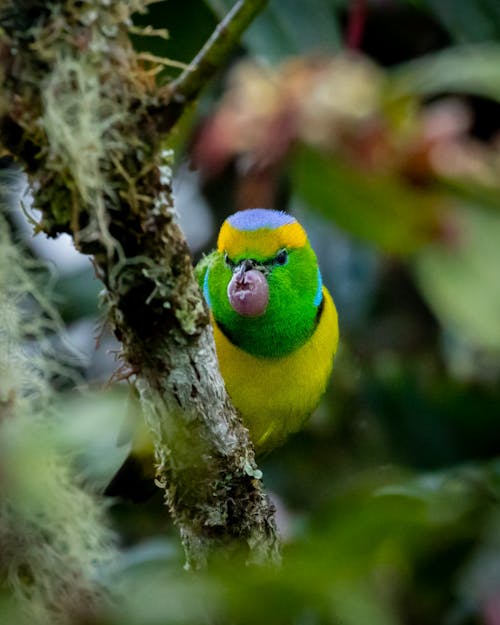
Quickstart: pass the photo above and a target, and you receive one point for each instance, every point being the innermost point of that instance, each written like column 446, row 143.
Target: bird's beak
column 248, row 291
column 244, row 266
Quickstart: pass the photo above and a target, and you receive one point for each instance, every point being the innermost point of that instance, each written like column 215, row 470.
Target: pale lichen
column 53, row 534
column 78, row 123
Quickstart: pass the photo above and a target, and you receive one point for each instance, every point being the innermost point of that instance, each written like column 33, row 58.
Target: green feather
column 290, row 317
column 201, row 267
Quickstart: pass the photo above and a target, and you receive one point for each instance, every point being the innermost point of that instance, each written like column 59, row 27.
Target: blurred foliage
column 53, row 536
column 386, row 212
column 466, row 21
column 285, row 29
column 389, row 499
column 460, row 282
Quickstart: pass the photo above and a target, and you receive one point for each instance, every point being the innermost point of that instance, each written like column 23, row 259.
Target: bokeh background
column 377, row 124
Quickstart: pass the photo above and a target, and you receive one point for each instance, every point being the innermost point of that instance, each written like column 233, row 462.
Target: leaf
column 77, row 294
column 376, row 207
column 281, row 30
column 461, row 282
column 471, row 69
column 90, row 428
column 448, row 496
column 467, row 20
column 471, row 191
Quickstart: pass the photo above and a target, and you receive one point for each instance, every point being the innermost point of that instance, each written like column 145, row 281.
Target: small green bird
column 275, row 328
column 275, row 324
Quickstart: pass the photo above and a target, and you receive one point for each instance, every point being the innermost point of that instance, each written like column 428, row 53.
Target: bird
column 275, row 328
column 274, row 322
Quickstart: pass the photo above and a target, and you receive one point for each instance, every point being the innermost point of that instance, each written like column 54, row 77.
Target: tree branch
column 208, row 61
column 93, row 153
column 216, row 50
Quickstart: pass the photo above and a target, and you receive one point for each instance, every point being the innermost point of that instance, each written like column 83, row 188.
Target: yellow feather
column 263, row 242
column 276, row 395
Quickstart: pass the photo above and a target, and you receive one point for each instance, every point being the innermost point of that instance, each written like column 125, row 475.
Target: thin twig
column 161, row 60
column 149, row 31
column 211, row 57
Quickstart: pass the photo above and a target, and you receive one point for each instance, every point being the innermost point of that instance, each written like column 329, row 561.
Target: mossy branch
column 76, row 112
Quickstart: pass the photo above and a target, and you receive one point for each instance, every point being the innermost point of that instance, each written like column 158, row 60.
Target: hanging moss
column 53, row 534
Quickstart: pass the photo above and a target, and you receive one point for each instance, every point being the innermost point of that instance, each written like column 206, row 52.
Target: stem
column 356, row 24
column 210, row 58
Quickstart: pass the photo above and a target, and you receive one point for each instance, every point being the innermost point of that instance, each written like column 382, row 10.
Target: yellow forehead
column 264, row 242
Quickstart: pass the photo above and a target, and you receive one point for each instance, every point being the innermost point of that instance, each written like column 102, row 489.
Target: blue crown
column 256, row 218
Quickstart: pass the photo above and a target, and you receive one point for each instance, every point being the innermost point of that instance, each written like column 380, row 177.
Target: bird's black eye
column 281, row 257
column 228, row 261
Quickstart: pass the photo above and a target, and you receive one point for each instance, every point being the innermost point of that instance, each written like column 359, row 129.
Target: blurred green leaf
column 284, row 29
column 357, row 563
column 472, row 192
column 468, row 69
column 451, row 495
column 479, row 581
column 461, row 281
column 356, row 546
column 430, row 421
column 155, row 591
column 77, row 294
column 467, row 20
column 376, row 207
column 89, row 428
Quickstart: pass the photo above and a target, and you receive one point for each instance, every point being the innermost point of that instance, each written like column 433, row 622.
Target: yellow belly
column 276, row 395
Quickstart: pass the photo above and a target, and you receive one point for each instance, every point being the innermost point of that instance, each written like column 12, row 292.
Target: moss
column 53, row 535
column 91, row 141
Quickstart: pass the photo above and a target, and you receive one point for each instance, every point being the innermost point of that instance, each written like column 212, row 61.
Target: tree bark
column 83, row 115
